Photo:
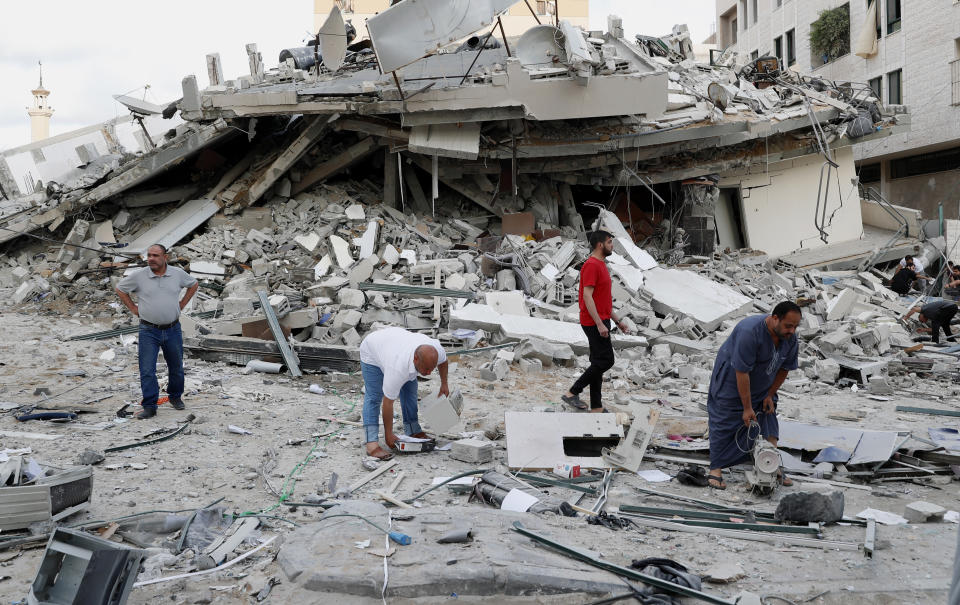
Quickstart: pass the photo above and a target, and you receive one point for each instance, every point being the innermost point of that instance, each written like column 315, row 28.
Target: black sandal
column 575, row 402
column 720, row 485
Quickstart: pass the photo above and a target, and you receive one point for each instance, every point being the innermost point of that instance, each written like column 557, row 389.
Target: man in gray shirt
column 938, row 314
column 158, row 306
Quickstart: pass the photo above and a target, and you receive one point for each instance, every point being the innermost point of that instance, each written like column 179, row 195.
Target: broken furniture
column 52, row 496
column 79, row 568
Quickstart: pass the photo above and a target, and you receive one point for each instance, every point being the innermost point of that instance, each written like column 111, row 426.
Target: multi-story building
column 916, row 63
column 518, row 20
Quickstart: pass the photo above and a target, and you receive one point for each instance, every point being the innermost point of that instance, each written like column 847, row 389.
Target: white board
column 535, row 439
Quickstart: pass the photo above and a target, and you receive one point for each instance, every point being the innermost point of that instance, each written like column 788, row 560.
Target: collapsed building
column 381, row 182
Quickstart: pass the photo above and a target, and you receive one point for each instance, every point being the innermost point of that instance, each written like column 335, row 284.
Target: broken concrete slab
column 923, row 512
column 319, row 558
column 688, row 294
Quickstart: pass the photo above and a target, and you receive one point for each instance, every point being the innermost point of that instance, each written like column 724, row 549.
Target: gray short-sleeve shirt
column 158, row 296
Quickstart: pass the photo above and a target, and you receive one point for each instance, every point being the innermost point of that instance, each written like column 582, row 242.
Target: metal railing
column 955, row 81
column 903, row 231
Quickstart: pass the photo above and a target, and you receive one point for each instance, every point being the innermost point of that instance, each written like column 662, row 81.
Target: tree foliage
column 830, row 33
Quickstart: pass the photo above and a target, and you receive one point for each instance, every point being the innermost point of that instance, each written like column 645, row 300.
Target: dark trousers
column 601, row 360
column 942, row 321
column 151, row 342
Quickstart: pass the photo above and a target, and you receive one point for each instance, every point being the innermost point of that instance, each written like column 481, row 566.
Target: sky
column 94, row 50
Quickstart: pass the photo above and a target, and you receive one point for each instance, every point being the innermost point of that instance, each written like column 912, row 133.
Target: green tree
column 830, row 33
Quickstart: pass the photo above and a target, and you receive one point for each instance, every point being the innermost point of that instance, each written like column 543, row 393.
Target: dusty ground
column 913, row 563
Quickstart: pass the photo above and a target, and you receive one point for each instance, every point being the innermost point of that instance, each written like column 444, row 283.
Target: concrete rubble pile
column 340, row 200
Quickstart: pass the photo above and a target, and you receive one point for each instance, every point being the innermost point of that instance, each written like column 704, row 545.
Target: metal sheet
column 333, row 40
column 535, row 439
column 865, row 446
column 413, row 29
column 289, row 357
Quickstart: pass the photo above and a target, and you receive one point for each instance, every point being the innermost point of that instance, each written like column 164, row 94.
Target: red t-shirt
column 594, row 273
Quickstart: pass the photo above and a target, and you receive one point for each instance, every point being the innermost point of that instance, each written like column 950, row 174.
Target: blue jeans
column 373, row 400
column 151, row 342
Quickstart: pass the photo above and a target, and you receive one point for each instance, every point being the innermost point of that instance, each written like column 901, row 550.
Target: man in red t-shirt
column 596, row 310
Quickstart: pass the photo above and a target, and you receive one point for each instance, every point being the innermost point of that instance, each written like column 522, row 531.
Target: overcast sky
column 93, row 50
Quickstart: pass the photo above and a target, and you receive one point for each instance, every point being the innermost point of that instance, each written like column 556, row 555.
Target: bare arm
column 591, row 305
column 442, row 370
column 777, row 382
column 128, row 302
column 190, row 292
column 743, row 388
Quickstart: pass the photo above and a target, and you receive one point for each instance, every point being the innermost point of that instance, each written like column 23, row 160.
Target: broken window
column 778, row 48
column 755, row 55
column 755, row 11
column 743, row 14
column 895, row 87
column 879, row 28
column 893, row 16
column 925, row 163
column 791, row 47
column 876, row 84
column 733, row 31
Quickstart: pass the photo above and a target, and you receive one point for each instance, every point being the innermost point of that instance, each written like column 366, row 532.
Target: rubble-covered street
column 451, row 194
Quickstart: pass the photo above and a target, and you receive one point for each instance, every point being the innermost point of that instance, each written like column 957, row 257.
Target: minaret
column 40, row 112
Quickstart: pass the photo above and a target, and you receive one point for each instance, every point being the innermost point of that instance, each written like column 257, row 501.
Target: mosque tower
column 40, row 112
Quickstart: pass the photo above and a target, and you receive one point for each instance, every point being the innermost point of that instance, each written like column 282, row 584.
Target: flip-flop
column 381, row 457
column 719, row 482
column 575, row 402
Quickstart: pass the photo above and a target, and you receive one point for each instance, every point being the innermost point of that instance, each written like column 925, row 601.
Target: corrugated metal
column 21, row 506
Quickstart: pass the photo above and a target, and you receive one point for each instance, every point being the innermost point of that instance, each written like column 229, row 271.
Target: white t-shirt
column 917, row 265
column 391, row 350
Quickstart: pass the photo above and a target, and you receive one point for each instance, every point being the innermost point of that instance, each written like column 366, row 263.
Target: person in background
column 158, row 307
column 596, row 311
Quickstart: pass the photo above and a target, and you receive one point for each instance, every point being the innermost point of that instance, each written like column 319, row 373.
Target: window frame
column 791, row 43
column 878, row 91
column 893, row 25
column 898, row 100
column 778, row 47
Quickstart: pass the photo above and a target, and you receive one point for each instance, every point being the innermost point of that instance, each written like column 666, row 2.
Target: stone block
column 237, row 305
column 351, row 298
column 301, row 318
column 351, row 338
column 355, row 212
column 923, row 512
column 473, row 451
column 20, row 274
column 25, row 291
column 341, row 251
column 828, row 370
column 531, row 366
column 345, row 319
column 661, row 351
column 811, row 507
column 308, row 242
column 455, row 282
column 879, row 386
column 361, row 272
column 840, row 305
column 834, row 341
